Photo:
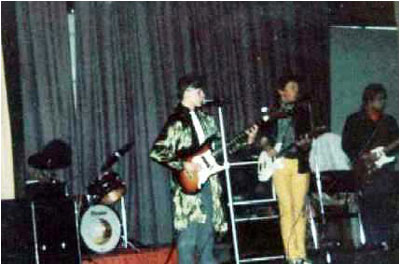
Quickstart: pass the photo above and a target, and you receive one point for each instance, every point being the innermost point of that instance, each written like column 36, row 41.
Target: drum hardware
column 107, row 189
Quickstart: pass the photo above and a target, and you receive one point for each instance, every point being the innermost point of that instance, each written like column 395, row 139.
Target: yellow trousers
column 291, row 189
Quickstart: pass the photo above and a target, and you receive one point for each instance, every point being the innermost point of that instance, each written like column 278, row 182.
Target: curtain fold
column 129, row 58
column 45, row 79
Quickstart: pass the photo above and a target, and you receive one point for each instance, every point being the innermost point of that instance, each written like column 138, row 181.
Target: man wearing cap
column 196, row 216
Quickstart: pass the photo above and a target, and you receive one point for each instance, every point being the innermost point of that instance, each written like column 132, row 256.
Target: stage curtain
column 44, row 81
column 129, row 58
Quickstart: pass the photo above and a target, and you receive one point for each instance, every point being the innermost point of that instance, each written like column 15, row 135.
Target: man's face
column 196, row 96
column 378, row 103
column 290, row 92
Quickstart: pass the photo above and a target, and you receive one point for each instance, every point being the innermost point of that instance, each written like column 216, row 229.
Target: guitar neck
column 312, row 134
column 233, row 145
column 391, row 146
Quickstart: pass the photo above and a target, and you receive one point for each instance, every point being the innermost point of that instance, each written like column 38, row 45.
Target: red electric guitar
column 205, row 157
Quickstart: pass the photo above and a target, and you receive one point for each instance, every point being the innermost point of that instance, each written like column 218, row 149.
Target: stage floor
column 338, row 256
column 164, row 255
column 224, row 254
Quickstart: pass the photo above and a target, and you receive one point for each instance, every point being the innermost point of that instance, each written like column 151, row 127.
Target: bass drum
column 100, row 228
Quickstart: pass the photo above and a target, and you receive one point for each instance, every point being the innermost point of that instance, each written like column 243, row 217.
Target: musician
column 196, row 216
column 291, row 179
column 364, row 130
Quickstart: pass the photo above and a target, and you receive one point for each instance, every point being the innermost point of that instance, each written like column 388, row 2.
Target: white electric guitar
column 373, row 160
column 268, row 165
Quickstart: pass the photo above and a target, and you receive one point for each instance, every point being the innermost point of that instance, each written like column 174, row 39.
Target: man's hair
column 371, row 91
column 190, row 80
column 286, row 79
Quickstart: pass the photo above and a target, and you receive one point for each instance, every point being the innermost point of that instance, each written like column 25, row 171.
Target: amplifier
column 39, row 232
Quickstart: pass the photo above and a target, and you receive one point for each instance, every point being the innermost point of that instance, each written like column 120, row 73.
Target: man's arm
column 164, row 150
column 393, row 135
column 348, row 135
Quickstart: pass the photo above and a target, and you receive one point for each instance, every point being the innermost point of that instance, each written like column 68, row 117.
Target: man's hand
column 272, row 152
column 305, row 142
column 251, row 133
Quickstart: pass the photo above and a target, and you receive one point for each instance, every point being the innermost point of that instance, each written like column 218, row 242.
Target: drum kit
column 100, row 226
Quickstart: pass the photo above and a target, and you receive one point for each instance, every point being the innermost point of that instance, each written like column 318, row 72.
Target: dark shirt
column 361, row 134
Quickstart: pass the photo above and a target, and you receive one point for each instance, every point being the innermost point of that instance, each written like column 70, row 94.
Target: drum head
column 100, row 228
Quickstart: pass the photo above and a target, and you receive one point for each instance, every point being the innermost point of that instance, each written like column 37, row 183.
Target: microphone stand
column 114, row 158
column 319, row 190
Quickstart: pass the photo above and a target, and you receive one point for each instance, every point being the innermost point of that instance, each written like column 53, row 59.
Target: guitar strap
column 197, row 126
column 369, row 140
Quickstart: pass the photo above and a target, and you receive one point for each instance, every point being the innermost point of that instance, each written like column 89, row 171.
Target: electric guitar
column 268, row 165
column 371, row 161
column 206, row 158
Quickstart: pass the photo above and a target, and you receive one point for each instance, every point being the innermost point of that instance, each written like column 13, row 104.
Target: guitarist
column 196, row 216
column 363, row 131
column 291, row 179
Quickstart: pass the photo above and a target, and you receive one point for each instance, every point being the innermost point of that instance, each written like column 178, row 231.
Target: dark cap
column 55, row 155
column 190, row 80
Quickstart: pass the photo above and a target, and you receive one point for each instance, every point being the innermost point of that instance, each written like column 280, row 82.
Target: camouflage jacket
column 178, row 137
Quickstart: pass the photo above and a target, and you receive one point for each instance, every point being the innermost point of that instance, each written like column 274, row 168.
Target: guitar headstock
column 275, row 115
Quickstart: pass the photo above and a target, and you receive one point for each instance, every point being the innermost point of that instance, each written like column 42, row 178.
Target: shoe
column 299, row 261
column 305, row 261
column 384, row 246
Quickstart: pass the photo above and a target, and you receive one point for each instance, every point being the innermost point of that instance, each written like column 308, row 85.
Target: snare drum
column 100, row 228
column 107, row 189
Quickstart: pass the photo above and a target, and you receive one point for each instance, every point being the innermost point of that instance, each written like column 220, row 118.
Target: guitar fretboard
column 232, row 146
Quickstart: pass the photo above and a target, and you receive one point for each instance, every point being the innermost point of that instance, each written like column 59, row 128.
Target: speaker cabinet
column 39, row 232
column 261, row 238
column 17, row 238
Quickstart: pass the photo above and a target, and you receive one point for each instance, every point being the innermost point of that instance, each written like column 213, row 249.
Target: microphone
column 305, row 99
column 115, row 156
column 214, row 101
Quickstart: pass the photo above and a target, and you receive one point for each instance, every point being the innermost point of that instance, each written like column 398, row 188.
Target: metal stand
column 228, row 184
column 323, row 213
column 321, row 207
column 124, row 236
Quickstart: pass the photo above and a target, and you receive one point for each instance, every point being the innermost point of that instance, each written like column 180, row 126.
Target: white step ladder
column 232, row 204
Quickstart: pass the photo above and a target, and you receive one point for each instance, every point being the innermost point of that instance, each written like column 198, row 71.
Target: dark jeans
column 198, row 238
column 379, row 207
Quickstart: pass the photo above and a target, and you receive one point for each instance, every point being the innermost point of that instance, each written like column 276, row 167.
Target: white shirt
column 197, row 126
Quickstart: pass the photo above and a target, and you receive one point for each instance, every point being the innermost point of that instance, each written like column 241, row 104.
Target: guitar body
column 191, row 183
column 383, row 159
column 267, row 166
column 369, row 163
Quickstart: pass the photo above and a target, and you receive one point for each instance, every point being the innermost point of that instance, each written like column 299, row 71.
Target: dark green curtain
column 129, row 58
column 45, row 80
